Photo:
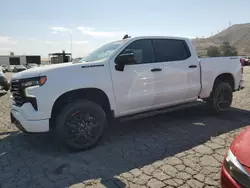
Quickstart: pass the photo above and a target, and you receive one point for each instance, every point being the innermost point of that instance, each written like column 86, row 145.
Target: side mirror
column 125, row 58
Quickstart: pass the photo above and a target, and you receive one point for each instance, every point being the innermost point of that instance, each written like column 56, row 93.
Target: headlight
column 37, row 81
column 236, row 170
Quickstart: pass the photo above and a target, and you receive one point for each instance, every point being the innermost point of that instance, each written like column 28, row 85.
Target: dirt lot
column 180, row 149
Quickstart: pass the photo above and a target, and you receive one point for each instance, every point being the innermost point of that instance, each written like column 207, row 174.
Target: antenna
column 126, row 36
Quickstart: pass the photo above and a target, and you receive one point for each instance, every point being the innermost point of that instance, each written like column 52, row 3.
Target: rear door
column 181, row 71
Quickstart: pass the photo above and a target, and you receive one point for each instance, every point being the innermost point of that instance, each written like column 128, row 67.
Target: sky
column 40, row 27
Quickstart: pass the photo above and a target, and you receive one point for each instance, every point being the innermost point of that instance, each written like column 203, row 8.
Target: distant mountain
column 237, row 35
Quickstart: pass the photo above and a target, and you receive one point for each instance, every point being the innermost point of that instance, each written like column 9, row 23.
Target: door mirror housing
column 125, row 58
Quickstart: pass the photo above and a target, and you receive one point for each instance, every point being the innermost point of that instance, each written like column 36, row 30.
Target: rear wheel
column 221, row 97
column 81, row 124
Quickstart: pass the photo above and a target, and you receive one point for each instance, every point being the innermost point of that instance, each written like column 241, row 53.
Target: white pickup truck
column 120, row 79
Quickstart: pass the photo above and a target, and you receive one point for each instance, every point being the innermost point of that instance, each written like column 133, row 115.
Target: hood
column 37, row 71
column 240, row 148
column 40, row 71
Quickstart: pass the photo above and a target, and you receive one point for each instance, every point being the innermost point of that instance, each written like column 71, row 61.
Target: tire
column 77, row 122
column 221, row 97
column 6, row 87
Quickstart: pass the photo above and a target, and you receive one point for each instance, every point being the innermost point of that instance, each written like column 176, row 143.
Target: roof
column 161, row 37
column 60, row 53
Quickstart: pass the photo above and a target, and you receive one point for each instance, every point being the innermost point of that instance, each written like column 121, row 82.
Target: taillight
column 242, row 62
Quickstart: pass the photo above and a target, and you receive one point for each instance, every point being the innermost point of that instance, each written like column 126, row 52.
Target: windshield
column 103, row 52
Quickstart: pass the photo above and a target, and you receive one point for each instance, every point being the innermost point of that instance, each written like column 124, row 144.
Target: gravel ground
column 179, row 149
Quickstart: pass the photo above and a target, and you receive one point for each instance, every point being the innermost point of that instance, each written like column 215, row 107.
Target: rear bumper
column 28, row 126
column 241, row 85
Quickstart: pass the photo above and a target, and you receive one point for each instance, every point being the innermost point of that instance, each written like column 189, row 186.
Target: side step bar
column 161, row 111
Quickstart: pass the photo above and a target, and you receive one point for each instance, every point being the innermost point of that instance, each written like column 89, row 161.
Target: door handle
column 156, row 70
column 193, row 66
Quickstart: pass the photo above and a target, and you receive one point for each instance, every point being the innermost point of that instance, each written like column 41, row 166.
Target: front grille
column 17, row 92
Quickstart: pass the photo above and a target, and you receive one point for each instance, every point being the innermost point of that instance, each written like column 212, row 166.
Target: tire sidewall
column 87, row 106
column 7, row 87
column 219, row 86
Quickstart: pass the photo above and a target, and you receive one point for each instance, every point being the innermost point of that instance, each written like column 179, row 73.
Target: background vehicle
column 19, row 68
column 4, row 66
column 4, row 83
column 138, row 75
column 245, row 61
column 10, row 68
column 2, row 69
column 31, row 65
column 235, row 172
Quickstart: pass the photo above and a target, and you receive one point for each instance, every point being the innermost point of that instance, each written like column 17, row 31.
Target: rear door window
column 170, row 50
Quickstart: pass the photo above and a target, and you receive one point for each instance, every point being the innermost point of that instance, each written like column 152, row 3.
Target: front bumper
column 28, row 126
column 226, row 179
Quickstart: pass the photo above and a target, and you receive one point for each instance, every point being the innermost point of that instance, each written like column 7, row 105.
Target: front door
column 136, row 87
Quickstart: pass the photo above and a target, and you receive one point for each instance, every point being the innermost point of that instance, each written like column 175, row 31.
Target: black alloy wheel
column 224, row 99
column 221, row 97
column 82, row 127
column 81, row 124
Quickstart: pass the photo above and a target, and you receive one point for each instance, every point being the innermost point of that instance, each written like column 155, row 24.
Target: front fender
column 67, row 80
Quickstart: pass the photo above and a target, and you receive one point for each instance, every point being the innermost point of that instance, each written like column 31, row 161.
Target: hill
column 237, row 35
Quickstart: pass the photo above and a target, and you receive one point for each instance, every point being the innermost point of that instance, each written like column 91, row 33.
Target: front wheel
column 221, row 97
column 6, row 87
column 81, row 124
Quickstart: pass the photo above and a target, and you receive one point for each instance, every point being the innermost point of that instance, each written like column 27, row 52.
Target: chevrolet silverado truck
column 124, row 78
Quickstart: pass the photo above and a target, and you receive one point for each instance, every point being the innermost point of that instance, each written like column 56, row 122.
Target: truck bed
column 212, row 67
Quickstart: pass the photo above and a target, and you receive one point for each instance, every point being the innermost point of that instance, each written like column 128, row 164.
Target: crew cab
column 120, row 79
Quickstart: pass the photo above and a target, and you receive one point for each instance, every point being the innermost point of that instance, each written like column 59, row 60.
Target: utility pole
column 70, row 35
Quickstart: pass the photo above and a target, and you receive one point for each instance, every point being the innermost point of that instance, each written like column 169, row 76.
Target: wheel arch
column 225, row 77
column 93, row 94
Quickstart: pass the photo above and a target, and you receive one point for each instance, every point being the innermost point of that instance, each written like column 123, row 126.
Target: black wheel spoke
column 82, row 128
column 224, row 102
column 81, row 117
column 86, row 116
column 87, row 135
column 72, row 125
column 94, row 125
column 77, row 137
column 223, row 99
